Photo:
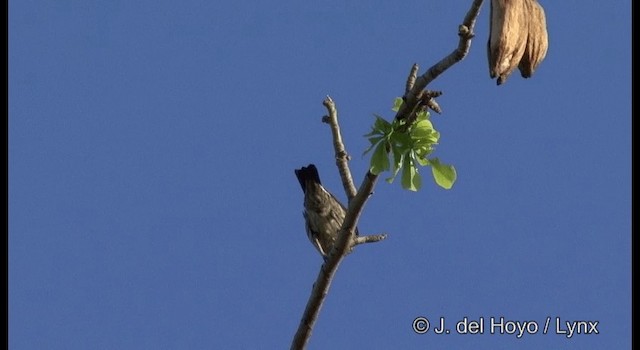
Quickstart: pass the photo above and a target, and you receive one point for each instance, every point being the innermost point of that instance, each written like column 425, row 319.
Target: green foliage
column 410, row 146
column 444, row 174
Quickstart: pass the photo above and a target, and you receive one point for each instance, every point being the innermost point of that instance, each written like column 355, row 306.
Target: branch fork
column 415, row 95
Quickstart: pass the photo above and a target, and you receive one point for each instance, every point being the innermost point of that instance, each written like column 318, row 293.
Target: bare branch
column 428, row 99
column 342, row 157
column 465, row 32
column 411, row 79
column 370, row 239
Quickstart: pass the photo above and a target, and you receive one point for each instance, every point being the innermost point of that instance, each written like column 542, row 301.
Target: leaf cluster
column 397, row 146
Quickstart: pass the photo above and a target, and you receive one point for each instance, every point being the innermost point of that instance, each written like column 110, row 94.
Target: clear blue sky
column 153, row 203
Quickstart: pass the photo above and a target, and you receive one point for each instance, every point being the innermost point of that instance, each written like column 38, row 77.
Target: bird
column 323, row 213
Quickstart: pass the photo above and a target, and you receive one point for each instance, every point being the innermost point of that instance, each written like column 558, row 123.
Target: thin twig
column 342, row 157
column 411, row 79
column 370, row 238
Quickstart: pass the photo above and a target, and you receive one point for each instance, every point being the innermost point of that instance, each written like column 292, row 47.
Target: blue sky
column 153, row 203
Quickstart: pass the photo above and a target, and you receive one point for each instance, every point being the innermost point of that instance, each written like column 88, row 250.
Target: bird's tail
column 308, row 173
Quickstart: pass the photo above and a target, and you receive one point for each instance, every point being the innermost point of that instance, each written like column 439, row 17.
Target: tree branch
column 411, row 79
column 465, row 32
column 347, row 238
column 370, row 239
column 342, row 157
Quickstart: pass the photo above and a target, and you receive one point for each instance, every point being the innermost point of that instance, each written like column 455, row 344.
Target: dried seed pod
column 537, row 39
column 508, row 30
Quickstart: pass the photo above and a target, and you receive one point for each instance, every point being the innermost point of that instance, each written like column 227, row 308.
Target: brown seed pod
column 508, row 30
column 537, row 39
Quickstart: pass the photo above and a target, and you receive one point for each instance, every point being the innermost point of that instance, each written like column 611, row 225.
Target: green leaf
column 398, row 154
column 381, row 125
column 434, row 137
column 420, row 158
column 422, row 129
column 422, row 115
column 397, row 103
column 372, row 133
column 422, row 154
column 410, row 145
column 380, row 159
column 444, row 174
column 402, row 141
column 423, row 147
column 411, row 179
column 374, row 140
column 397, row 163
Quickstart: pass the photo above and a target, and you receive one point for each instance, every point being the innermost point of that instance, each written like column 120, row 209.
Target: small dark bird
column 323, row 213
